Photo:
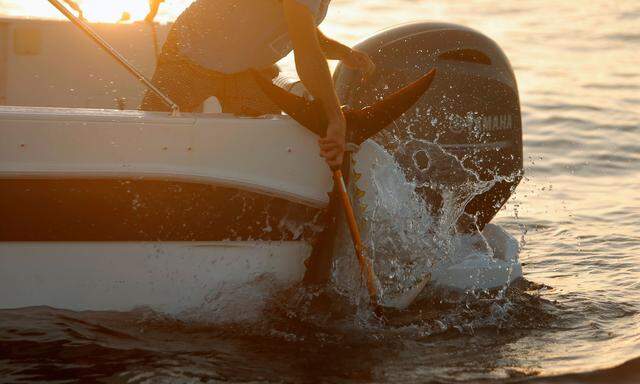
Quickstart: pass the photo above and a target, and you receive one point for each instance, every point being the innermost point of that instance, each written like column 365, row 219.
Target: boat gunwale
column 11, row 170
column 18, row 112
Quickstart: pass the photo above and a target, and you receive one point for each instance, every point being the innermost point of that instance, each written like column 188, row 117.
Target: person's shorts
column 189, row 85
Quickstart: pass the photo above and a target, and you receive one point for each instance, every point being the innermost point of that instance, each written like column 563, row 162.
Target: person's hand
column 333, row 144
column 360, row 61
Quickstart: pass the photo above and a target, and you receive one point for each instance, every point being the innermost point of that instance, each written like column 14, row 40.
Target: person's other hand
column 333, row 144
column 361, row 61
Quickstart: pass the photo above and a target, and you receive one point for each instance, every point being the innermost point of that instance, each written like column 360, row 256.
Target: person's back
column 231, row 36
column 212, row 46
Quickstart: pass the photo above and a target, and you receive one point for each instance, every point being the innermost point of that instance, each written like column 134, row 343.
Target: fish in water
column 362, row 123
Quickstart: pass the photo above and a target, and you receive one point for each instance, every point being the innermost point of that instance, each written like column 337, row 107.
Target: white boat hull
column 166, row 276
column 109, row 210
column 177, row 276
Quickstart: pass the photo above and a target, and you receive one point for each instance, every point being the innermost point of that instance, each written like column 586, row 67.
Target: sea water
column 574, row 319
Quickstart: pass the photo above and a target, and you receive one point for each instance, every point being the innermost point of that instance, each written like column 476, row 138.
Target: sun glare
column 111, row 11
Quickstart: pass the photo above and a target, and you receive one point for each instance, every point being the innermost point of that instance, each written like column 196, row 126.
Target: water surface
column 576, row 318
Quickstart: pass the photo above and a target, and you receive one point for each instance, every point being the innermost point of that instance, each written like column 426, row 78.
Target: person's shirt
column 231, row 36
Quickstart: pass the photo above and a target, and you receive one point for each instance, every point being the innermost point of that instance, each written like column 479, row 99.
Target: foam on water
column 405, row 241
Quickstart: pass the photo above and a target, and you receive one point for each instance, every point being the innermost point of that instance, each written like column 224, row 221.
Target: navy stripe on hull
column 147, row 210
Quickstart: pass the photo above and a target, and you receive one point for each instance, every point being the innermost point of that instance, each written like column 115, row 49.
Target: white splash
column 406, row 243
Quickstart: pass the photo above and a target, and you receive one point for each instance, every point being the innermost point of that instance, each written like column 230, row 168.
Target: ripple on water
column 574, row 320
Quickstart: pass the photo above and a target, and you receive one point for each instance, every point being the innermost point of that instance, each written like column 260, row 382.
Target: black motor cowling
column 472, row 110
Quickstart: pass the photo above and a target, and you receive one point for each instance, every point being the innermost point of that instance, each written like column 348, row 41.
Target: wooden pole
column 365, row 266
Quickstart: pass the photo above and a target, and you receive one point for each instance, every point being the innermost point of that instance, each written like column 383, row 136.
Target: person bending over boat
column 215, row 44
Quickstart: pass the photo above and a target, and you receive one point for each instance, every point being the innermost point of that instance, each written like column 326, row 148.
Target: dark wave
column 626, row 373
column 626, row 37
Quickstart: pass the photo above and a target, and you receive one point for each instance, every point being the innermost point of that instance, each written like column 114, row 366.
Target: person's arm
column 332, row 49
column 75, row 7
column 154, row 5
column 313, row 70
column 352, row 58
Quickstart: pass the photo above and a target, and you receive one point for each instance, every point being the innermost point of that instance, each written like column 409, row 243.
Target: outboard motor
column 471, row 112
